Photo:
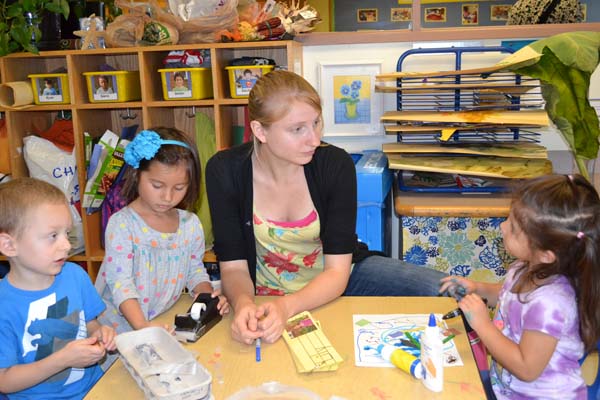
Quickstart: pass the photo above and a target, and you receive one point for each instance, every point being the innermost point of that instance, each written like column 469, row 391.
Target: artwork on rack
column 584, row 12
column 366, row 15
column 350, row 104
column 401, row 14
column 470, row 14
column 435, row 14
column 499, row 12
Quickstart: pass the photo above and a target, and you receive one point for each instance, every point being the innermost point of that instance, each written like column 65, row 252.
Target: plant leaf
column 13, row 10
column 574, row 49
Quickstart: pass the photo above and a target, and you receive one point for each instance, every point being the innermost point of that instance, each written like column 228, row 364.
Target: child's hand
column 167, row 327
column 223, row 305
column 82, row 353
column 456, row 287
column 475, row 311
column 106, row 337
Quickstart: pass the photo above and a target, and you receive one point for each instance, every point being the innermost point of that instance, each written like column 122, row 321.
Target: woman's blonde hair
column 273, row 93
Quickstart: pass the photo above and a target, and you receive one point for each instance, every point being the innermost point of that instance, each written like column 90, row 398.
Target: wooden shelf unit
column 151, row 110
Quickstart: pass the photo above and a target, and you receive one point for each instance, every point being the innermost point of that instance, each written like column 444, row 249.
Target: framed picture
column 499, row 12
column 470, row 14
column 366, row 15
column 351, row 107
column 435, row 14
column 401, row 14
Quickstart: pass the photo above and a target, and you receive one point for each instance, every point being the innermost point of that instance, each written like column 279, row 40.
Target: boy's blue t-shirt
column 34, row 324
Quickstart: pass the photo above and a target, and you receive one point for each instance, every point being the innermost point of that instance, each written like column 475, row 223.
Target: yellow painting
column 352, row 99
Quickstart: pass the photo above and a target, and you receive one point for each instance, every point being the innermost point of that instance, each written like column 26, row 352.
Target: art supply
column 413, row 340
column 452, row 314
column 258, row 350
column 432, row 356
column 448, row 338
column 402, row 359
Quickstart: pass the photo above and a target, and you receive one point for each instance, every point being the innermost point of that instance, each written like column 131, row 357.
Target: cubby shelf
column 151, row 110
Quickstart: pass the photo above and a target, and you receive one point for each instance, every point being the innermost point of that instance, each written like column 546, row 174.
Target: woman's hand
column 475, row 311
column 244, row 327
column 457, row 287
column 272, row 317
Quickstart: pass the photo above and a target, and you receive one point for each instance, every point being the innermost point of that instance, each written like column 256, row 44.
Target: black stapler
column 200, row 318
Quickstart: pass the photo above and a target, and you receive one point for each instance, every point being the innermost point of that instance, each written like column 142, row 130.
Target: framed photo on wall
column 351, row 107
column 401, row 14
column 366, row 15
column 470, row 14
column 499, row 12
column 435, row 14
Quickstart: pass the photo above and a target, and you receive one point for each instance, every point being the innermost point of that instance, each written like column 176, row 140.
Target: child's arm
column 527, row 359
column 486, row 290
column 77, row 353
column 105, row 334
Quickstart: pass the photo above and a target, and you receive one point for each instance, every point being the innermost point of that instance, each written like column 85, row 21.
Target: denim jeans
column 384, row 276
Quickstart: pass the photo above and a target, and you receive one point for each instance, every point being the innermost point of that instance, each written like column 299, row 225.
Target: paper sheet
column 370, row 330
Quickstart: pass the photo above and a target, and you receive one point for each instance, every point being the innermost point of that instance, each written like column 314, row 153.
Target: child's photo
column 105, row 87
column 499, row 12
column 245, row 78
column 470, row 14
column 179, row 84
column 50, row 90
column 367, row 15
column 401, row 14
column 435, row 14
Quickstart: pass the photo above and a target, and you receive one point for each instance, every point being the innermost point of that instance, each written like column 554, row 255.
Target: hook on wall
column 129, row 115
column 192, row 114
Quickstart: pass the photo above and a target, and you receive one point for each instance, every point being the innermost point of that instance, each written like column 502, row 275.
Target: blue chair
column 593, row 389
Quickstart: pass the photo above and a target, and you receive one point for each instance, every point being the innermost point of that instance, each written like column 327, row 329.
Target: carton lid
column 372, row 162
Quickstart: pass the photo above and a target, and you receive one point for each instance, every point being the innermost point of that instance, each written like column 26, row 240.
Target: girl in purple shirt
column 547, row 307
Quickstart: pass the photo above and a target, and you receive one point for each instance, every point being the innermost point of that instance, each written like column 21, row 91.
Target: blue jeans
column 384, row 276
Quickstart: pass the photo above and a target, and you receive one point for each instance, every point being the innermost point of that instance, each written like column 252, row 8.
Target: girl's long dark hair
column 561, row 213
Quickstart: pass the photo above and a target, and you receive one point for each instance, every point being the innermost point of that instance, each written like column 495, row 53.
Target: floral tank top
column 288, row 254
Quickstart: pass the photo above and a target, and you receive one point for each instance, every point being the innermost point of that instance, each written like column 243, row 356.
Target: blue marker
column 257, row 349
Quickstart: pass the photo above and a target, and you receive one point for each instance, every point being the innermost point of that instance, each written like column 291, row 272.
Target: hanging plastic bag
column 47, row 162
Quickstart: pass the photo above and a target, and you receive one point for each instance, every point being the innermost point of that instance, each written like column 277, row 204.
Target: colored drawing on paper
column 352, row 99
column 371, row 330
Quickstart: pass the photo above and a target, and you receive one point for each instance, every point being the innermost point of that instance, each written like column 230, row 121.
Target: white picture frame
column 351, row 107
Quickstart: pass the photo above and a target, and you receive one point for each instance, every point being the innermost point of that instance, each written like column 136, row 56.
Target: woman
column 284, row 208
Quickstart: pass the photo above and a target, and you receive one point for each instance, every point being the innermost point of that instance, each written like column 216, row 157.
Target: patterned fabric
column 528, row 12
column 550, row 309
column 289, row 255
column 470, row 247
column 150, row 266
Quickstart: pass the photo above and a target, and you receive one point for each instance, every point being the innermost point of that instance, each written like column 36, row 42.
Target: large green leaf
column 564, row 69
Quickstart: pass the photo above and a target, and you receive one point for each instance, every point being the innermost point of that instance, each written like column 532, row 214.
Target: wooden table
column 233, row 365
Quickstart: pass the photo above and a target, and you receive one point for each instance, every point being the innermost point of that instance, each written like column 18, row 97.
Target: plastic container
column 50, row 88
column 275, row 391
column 162, row 368
column 186, row 83
column 113, row 86
column 432, row 356
column 243, row 77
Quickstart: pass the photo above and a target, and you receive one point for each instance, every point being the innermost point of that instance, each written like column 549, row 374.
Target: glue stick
column 401, row 359
column 432, row 356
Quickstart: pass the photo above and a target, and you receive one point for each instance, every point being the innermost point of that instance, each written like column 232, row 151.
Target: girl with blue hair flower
column 155, row 245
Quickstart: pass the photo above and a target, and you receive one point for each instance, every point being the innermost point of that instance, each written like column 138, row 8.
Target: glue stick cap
column 432, row 320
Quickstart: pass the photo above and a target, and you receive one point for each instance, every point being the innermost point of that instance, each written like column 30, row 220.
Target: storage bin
column 50, row 88
column 162, row 367
column 374, row 225
column 243, row 77
column 113, row 86
column 186, row 83
column 373, row 178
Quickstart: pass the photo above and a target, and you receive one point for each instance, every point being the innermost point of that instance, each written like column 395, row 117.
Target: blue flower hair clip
column 145, row 146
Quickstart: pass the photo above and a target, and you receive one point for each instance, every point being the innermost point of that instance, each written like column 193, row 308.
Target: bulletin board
column 357, row 15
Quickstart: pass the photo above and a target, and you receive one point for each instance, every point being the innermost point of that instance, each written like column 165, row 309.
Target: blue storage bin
column 374, row 181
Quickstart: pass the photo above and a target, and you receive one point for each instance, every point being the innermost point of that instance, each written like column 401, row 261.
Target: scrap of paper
column 371, row 330
column 310, row 348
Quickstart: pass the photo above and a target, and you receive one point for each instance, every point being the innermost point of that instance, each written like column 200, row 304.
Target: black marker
column 452, row 314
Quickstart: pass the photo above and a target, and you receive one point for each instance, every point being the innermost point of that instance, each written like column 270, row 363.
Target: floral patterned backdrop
column 470, row 247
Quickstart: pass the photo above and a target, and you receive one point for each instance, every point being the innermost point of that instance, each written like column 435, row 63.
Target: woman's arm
column 325, row 287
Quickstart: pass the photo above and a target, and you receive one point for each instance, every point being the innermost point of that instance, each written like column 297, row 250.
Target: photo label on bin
column 178, row 84
column 50, row 90
column 245, row 78
column 105, row 87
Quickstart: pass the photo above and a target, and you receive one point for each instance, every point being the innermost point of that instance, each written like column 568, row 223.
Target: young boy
column 51, row 340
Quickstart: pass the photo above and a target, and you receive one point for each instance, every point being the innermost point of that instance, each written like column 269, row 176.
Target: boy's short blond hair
column 19, row 196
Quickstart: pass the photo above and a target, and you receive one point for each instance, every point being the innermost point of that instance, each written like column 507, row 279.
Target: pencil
column 413, row 340
column 448, row 338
